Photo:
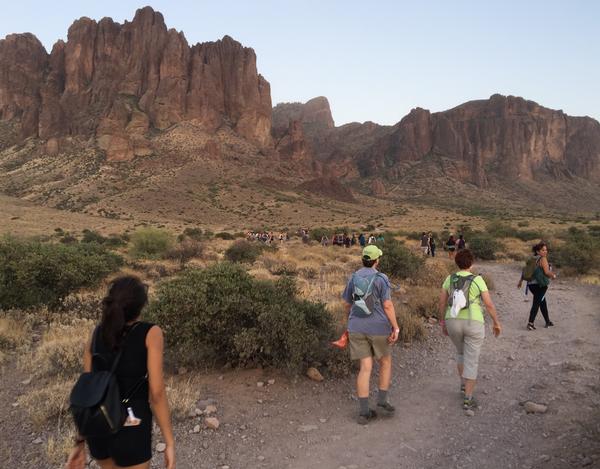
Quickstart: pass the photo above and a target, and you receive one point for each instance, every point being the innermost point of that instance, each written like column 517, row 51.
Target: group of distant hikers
column 452, row 245
column 122, row 388
column 344, row 239
column 267, row 237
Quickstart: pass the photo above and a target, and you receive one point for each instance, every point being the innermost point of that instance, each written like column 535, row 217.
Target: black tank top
column 133, row 364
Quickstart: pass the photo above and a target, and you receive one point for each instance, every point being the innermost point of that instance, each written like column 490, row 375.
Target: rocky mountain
column 503, row 137
column 118, row 83
column 138, row 92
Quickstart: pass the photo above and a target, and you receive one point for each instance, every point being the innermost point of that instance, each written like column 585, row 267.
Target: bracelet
column 397, row 329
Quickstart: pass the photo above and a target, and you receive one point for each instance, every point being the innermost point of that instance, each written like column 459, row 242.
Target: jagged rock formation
column 116, row 83
column 501, row 137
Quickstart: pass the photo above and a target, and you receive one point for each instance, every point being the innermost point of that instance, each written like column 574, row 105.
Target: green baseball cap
column 372, row 252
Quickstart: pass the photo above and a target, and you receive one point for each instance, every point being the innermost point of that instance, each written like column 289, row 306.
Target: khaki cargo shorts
column 363, row 346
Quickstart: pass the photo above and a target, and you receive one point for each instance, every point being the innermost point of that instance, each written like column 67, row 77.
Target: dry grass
column 13, row 333
column 182, row 393
column 59, row 445
column 60, row 351
column 411, row 325
column 47, row 403
column 434, row 272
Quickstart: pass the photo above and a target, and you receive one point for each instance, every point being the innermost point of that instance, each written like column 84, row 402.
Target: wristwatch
column 397, row 329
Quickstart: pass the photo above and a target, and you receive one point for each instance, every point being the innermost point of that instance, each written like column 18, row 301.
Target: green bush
column 246, row 251
column 483, row 246
column 150, row 242
column 497, row 229
column 185, row 250
column 224, row 235
column 317, row 233
column 579, row 254
column 193, row 233
column 223, row 314
column 399, row 261
column 90, row 236
column 34, row 273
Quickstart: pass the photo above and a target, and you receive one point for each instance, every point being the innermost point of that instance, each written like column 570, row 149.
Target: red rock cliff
column 115, row 82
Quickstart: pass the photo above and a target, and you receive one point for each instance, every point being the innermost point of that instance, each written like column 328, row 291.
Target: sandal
column 530, row 326
column 365, row 419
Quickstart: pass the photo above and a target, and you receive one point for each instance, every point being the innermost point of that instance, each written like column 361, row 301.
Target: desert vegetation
column 227, row 302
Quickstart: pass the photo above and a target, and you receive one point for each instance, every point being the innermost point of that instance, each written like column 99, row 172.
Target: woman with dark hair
column 139, row 374
column 461, row 317
column 451, row 246
column 538, row 285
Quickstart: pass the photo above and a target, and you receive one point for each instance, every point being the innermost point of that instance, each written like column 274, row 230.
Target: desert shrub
column 90, row 236
column 60, row 351
column 224, row 235
column 185, row 250
column 523, row 223
column 68, row 238
column 150, row 242
column 433, row 273
column 579, row 254
column 411, row 325
column 308, row 272
column 317, row 233
column 278, row 266
column 483, row 246
column 412, row 235
column 182, row 394
column 422, row 301
column 399, row 261
column 194, row 233
column 13, row 333
column 245, row 251
column 497, row 229
column 34, row 273
column 46, row 403
column 528, row 235
column 594, row 230
column 222, row 313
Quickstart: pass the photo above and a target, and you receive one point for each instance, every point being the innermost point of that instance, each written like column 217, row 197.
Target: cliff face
column 502, row 137
column 116, row 82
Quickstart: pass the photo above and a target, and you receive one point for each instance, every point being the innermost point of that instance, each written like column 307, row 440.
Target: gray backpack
column 362, row 294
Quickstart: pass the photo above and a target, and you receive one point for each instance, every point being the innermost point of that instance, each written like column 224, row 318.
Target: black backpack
column 95, row 400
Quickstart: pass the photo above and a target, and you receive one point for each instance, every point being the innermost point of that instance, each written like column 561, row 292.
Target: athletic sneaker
column 387, row 408
column 470, row 404
column 365, row 419
column 462, row 389
column 530, row 326
column 549, row 324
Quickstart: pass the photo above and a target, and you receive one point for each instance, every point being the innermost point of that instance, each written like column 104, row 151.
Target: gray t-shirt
column 377, row 323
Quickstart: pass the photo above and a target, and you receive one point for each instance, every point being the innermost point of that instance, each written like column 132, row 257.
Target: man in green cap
column 372, row 328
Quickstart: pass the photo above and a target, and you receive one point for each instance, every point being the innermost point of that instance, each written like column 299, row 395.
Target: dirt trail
column 305, row 425
column 300, row 424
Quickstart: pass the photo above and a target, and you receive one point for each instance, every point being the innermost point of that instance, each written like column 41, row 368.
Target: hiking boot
column 470, row 404
column 530, row 326
column 365, row 419
column 549, row 324
column 387, row 408
column 462, row 389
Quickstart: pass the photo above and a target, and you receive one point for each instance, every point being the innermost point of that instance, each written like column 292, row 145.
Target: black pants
column 539, row 302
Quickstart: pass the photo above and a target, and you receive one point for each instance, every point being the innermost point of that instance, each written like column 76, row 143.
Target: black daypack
column 95, row 400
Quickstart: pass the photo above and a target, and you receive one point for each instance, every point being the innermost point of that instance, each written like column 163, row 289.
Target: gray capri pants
column 467, row 336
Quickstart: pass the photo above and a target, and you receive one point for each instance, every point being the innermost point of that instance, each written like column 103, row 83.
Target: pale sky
column 377, row 60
